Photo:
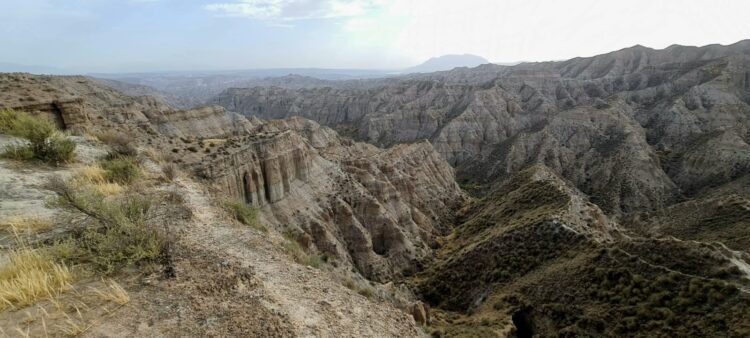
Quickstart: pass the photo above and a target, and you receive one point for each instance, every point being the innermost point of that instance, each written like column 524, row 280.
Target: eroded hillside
column 635, row 129
column 610, row 198
column 320, row 212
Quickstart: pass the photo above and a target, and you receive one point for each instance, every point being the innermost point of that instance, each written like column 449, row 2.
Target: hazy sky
column 147, row 35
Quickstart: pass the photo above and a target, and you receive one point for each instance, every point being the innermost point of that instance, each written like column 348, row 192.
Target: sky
column 163, row 35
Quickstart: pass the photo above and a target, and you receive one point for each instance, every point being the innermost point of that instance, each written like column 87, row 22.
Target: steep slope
column 654, row 124
column 534, row 258
column 379, row 210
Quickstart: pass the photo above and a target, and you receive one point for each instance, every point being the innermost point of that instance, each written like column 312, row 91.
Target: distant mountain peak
column 447, row 62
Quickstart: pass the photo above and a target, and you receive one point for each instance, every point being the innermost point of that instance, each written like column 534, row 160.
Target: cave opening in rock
column 522, row 322
column 285, row 176
column 246, row 189
column 256, row 184
column 266, row 186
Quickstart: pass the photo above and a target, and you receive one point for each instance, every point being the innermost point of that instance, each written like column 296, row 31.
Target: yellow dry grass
column 153, row 155
column 93, row 177
column 113, row 292
column 216, row 141
column 23, row 224
column 29, row 275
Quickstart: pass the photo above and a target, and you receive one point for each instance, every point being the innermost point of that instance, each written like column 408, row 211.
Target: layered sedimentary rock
column 66, row 113
column 77, row 102
column 261, row 169
column 636, row 129
column 205, row 122
column 378, row 210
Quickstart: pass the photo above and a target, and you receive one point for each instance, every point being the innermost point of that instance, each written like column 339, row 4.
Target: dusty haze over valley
column 374, row 168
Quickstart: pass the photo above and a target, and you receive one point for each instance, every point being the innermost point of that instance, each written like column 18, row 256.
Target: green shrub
column 58, row 149
column 244, row 213
column 18, row 152
column 366, row 291
column 45, row 143
column 313, row 261
column 122, row 237
column 122, row 170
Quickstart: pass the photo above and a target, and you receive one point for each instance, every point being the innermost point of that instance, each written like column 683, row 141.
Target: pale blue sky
column 149, row 35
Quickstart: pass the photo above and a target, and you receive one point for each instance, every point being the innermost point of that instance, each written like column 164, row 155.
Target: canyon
column 638, row 120
column 600, row 196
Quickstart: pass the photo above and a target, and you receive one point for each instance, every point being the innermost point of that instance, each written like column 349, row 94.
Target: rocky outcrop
column 78, row 103
column 377, row 210
column 66, row 113
column 631, row 128
column 205, row 122
column 261, row 170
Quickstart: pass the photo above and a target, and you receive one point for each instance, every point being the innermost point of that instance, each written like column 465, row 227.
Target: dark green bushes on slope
column 45, row 143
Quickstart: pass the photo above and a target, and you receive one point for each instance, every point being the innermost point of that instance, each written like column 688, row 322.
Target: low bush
column 45, row 143
column 121, row 143
column 293, row 248
column 244, row 213
column 122, row 238
column 170, row 171
column 18, row 152
column 122, row 170
column 313, row 261
column 367, row 292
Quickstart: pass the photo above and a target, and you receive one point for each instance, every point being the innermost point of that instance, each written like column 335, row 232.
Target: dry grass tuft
column 22, row 224
column 94, row 177
column 153, row 155
column 30, row 275
column 120, row 143
column 113, row 293
column 170, row 171
column 89, row 174
column 74, row 327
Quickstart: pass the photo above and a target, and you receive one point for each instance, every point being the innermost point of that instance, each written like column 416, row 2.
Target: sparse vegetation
column 93, row 177
column 293, row 247
column 170, row 171
column 121, row 143
column 366, row 291
column 245, row 214
column 45, row 143
column 113, row 292
column 313, row 261
column 121, row 170
column 21, row 224
column 122, row 237
column 29, row 275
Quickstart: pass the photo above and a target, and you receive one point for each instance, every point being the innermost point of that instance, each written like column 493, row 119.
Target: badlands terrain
column 606, row 196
